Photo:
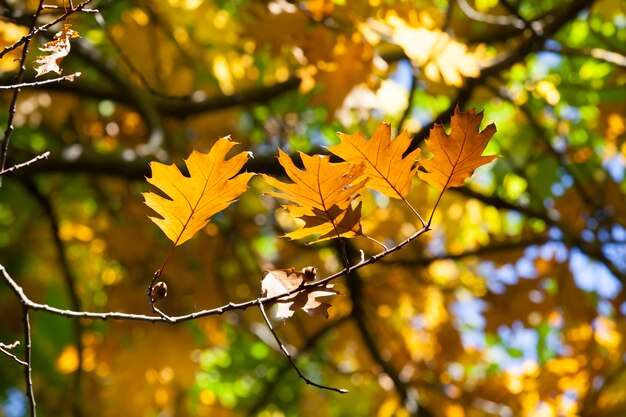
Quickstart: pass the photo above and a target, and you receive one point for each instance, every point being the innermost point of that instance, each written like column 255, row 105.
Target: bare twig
column 70, row 283
column 25, row 164
column 53, row 7
column 309, row 343
column 288, row 355
column 474, row 14
column 19, row 292
column 4, row 147
column 28, row 368
column 33, row 31
column 69, row 78
column 6, row 348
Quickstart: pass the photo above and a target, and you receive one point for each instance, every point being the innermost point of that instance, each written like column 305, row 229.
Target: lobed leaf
column 323, row 194
column 213, row 184
column 458, row 154
column 389, row 172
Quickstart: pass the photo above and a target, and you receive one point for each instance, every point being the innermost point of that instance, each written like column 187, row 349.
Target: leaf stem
column 288, row 355
column 414, row 211
column 156, row 276
column 432, row 213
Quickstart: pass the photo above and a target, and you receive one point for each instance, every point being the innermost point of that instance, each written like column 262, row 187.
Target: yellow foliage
column 67, row 362
column 441, row 57
column 454, row 410
column 606, row 333
column 9, row 34
column 562, row 366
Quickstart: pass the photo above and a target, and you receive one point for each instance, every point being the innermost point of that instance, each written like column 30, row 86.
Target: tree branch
column 19, row 293
column 25, row 164
column 4, row 146
column 33, row 31
column 293, row 363
column 6, row 348
column 69, row 78
column 28, row 369
column 70, row 284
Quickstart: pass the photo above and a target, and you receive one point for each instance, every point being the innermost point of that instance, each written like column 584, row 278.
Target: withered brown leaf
column 282, row 281
column 58, row 48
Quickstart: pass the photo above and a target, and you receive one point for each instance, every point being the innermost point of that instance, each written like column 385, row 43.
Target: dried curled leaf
column 458, row 154
column 58, row 48
column 281, row 281
column 212, row 186
column 389, row 172
column 323, row 194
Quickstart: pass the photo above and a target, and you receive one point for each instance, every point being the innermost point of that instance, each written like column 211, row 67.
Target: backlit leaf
column 58, row 48
column 458, row 154
column 323, row 194
column 212, row 186
column 388, row 171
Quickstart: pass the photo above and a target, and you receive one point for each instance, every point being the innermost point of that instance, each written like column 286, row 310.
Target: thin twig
column 19, row 292
column 33, row 31
column 53, row 7
column 288, row 355
column 28, row 369
column 25, row 164
column 5, row 349
column 69, row 78
column 270, row 387
column 4, row 147
column 70, row 282
column 473, row 14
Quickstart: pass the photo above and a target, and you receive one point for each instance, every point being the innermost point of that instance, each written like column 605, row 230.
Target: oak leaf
column 323, row 193
column 58, row 48
column 458, row 154
column 282, row 281
column 389, row 172
column 213, row 184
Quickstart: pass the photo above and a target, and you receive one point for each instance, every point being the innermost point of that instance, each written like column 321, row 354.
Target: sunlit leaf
column 323, row 193
column 389, row 172
column 212, row 186
column 58, row 48
column 458, row 154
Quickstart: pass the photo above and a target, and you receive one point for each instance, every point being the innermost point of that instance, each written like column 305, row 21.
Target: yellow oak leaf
column 389, row 172
column 323, row 194
column 458, row 154
column 58, row 48
column 281, row 281
column 213, row 184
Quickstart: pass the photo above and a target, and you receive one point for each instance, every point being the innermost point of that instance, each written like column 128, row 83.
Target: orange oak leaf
column 389, row 172
column 323, row 194
column 458, row 154
column 59, row 48
column 213, row 184
column 281, row 281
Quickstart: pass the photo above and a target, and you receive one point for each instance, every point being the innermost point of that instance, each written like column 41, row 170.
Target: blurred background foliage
column 513, row 305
